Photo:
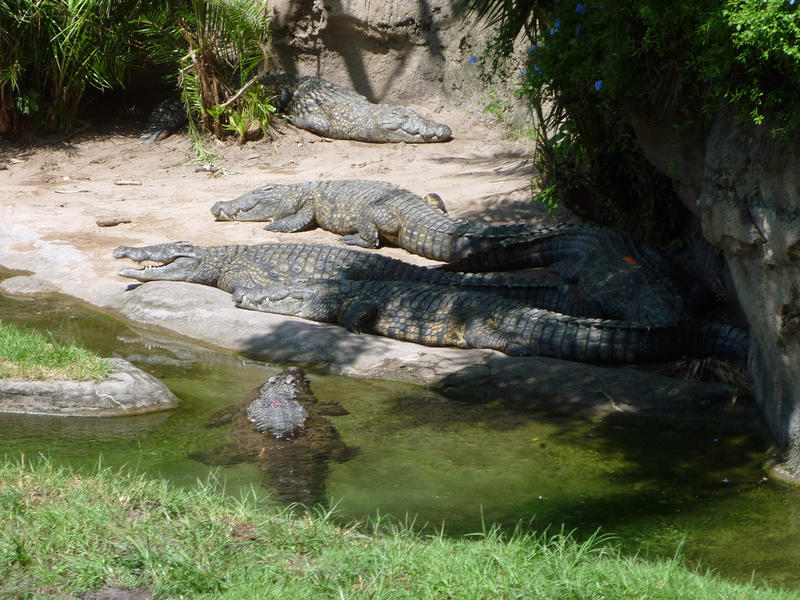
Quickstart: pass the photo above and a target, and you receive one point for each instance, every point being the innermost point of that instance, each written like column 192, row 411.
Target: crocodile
column 365, row 212
column 167, row 117
column 236, row 267
column 282, row 426
column 605, row 265
column 333, row 111
column 437, row 316
column 631, row 282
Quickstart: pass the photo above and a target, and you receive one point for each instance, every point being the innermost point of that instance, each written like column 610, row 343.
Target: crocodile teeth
column 153, row 267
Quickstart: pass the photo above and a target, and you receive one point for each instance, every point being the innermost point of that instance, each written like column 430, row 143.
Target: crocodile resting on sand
column 607, row 267
column 332, row 111
column 437, row 316
column 233, row 268
column 365, row 212
column 282, row 426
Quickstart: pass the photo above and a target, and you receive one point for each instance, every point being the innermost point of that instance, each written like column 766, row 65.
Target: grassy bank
column 30, row 355
column 62, row 534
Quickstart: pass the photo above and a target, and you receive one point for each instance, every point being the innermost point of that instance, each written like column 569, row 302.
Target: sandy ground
column 66, row 192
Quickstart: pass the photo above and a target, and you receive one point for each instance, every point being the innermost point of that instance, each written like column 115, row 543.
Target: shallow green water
column 441, row 462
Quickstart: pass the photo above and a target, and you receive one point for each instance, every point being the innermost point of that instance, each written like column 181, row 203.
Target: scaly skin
column 332, row 111
column 608, row 269
column 282, row 428
column 438, row 316
column 165, row 118
column 630, row 282
column 365, row 212
column 232, row 268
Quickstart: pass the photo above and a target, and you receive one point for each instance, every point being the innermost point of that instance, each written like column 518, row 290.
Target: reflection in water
column 449, row 464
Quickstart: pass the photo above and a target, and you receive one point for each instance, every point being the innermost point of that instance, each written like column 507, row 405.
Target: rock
column 401, row 52
column 111, row 221
column 26, row 285
column 748, row 203
column 207, row 314
column 126, row 391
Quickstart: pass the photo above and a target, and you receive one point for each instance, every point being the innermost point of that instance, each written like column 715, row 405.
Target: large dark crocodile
column 436, row 316
column 629, row 281
column 233, row 268
column 282, row 426
column 608, row 268
column 332, row 111
column 165, row 118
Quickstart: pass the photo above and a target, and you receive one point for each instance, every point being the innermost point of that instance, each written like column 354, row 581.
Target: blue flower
column 531, row 49
column 473, row 59
column 579, row 8
column 522, row 73
column 598, row 84
column 537, row 69
column 555, row 27
column 577, row 29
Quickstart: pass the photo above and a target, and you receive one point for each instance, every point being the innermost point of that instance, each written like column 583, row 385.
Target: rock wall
column 411, row 52
column 744, row 186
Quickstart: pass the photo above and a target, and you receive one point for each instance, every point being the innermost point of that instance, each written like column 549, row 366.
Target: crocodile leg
column 302, row 220
column 359, row 315
column 368, row 236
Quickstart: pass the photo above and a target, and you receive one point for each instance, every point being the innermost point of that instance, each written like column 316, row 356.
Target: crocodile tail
column 721, row 340
column 603, row 341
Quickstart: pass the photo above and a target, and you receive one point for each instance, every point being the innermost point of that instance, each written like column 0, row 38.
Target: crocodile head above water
column 175, row 261
column 258, row 204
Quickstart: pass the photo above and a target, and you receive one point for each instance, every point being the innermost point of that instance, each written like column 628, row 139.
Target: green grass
column 30, row 355
column 63, row 533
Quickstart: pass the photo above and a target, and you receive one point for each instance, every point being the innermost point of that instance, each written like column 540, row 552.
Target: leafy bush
column 52, row 51
column 227, row 45
column 693, row 57
column 591, row 66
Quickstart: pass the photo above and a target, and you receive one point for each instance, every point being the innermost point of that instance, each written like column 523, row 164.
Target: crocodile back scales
column 432, row 315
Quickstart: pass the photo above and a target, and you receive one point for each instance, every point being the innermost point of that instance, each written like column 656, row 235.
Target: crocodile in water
column 437, row 316
column 233, row 268
column 282, row 426
column 332, row 111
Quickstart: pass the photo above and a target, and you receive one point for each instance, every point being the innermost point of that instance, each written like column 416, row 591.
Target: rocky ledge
column 126, row 391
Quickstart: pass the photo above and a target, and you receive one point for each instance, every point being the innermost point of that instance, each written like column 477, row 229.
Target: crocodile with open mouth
column 236, row 267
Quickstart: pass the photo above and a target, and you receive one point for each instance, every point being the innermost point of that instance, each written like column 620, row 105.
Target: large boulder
column 403, row 52
column 743, row 184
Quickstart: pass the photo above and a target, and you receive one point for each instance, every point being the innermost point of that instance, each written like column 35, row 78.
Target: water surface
column 442, row 463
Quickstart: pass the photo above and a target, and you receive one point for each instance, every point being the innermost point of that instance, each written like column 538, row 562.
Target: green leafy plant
column 51, row 51
column 592, row 66
column 253, row 116
column 220, row 47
